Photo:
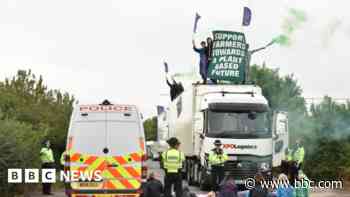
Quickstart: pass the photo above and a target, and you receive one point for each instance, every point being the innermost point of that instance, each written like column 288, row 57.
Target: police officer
column 217, row 159
column 298, row 159
column 287, row 161
column 47, row 161
column 172, row 164
column 63, row 158
column 299, row 154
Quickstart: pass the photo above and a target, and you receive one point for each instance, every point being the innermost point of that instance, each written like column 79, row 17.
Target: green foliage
column 329, row 149
column 30, row 113
column 283, row 94
column 150, row 126
column 18, row 142
column 325, row 130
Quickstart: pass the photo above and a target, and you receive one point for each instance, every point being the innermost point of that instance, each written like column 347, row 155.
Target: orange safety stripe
column 120, row 160
column 142, row 144
column 75, row 157
column 102, row 166
column 109, row 185
column 135, row 156
column 133, row 172
column 89, row 161
column 125, row 182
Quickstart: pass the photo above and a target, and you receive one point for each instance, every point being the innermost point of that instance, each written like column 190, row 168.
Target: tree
column 283, row 94
column 325, row 130
column 30, row 113
column 150, row 126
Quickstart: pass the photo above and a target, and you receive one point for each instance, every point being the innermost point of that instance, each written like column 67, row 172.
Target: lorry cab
column 253, row 136
column 108, row 139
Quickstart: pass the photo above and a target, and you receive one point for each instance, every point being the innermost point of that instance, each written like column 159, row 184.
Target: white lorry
column 254, row 138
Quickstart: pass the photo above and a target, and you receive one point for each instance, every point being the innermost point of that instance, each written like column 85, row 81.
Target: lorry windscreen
column 237, row 125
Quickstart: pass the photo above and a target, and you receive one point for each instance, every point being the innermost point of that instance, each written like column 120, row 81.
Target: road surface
column 154, row 167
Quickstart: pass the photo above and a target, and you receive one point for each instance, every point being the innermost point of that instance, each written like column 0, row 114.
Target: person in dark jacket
column 209, row 54
column 153, row 188
column 203, row 62
column 228, row 187
column 186, row 193
column 258, row 190
column 175, row 88
column 179, row 88
column 172, row 87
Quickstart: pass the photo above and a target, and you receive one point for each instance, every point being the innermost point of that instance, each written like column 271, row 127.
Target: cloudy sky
column 114, row 49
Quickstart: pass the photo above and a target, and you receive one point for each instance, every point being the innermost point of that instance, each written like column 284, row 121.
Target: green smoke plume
column 293, row 21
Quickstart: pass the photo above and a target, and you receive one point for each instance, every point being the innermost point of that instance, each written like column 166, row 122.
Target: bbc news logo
column 51, row 176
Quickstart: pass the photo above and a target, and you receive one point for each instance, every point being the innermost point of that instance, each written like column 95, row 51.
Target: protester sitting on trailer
column 175, row 88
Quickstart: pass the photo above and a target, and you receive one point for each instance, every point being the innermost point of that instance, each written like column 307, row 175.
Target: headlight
column 264, row 166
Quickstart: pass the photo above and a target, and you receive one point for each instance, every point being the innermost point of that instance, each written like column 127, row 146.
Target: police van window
column 89, row 137
column 123, row 137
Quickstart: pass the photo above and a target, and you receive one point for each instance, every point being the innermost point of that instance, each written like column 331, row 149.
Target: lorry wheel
column 196, row 173
column 189, row 172
column 203, row 180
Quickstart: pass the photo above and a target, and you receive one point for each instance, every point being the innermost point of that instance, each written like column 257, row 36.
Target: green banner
column 228, row 56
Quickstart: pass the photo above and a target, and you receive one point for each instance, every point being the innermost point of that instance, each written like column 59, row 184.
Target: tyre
column 204, row 180
column 189, row 172
column 196, row 173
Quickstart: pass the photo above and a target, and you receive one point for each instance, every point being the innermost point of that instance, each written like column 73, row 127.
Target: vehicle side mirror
column 280, row 123
column 201, row 136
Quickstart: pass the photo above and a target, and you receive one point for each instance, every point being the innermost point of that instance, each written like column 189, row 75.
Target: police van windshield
column 237, row 124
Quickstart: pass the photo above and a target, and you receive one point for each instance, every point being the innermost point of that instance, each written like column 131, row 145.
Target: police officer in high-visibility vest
column 172, row 164
column 47, row 161
column 63, row 158
column 287, row 162
column 298, row 159
column 217, row 159
column 298, row 155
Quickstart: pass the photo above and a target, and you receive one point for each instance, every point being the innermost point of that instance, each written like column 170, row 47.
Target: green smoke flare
column 292, row 22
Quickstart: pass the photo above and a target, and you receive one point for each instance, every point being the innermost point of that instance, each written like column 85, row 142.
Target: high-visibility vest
column 172, row 160
column 298, row 155
column 62, row 159
column 46, row 155
column 289, row 156
column 216, row 159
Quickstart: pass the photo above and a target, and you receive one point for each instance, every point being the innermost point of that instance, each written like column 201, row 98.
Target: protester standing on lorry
column 47, row 162
column 209, row 54
column 203, row 61
column 172, row 164
column 217, row 159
